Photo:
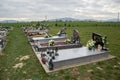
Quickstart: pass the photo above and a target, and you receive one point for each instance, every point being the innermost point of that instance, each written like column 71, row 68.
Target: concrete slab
column 66, row 54
column 42, row 38
column 46, row 40
column 74, row 57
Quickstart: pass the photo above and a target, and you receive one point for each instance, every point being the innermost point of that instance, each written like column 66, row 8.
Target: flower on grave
column 67, row 41
column 51, row 43
column 90, row 44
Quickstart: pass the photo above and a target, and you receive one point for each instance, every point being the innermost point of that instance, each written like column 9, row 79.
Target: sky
column 34, row 10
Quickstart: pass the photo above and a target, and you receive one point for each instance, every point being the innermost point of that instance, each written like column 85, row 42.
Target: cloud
column 38, row 9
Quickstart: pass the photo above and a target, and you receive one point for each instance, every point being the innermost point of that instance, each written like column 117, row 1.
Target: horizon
column 63, row 19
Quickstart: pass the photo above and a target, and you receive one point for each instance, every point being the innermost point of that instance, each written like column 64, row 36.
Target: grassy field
column 18, row 46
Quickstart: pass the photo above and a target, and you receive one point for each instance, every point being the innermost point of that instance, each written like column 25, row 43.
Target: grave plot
column 68, row 58
column 3, row 37
column 56, row 53
column 36, row 30
column 60, row 41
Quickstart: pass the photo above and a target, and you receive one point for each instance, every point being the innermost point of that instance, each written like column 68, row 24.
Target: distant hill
column 89, row 20
column 8, row 21
column 111, row 20
column 64, row 19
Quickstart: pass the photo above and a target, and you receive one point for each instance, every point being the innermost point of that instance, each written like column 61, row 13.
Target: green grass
column 18, row 46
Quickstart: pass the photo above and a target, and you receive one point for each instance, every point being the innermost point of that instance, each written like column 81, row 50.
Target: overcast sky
column 38, row 9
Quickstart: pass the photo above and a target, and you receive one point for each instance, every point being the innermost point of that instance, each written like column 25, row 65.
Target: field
column 18, row 46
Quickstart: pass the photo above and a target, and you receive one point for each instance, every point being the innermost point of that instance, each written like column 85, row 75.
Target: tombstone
column 98, row 39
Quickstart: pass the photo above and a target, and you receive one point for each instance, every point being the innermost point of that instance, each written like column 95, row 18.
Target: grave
column 68, row 58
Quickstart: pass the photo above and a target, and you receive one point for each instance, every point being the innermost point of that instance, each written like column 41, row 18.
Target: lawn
column 18, row 46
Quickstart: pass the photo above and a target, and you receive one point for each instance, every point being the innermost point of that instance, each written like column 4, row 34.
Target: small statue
column 56, row 51
column 51, row 64
column 76, row 37
column 104, row 40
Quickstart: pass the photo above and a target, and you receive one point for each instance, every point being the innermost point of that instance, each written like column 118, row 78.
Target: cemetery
column 59, row 52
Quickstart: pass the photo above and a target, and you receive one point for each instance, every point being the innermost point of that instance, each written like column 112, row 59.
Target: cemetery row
column 58, row 52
